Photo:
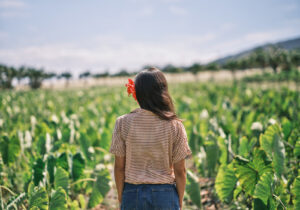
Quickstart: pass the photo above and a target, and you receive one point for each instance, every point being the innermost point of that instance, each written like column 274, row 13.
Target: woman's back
column 151, row 146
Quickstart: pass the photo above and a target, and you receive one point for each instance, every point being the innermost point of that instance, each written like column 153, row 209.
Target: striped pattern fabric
column 150, row 145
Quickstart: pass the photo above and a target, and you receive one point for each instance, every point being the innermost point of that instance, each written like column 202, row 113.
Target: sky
column 111, row 35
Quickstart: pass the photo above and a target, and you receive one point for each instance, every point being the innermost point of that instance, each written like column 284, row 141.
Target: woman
column 150, row 146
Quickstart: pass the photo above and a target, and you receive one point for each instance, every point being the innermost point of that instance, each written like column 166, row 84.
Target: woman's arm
column 119, row 173
column 180, row 177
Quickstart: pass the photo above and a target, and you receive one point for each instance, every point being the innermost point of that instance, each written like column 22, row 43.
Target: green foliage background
column 54, row 145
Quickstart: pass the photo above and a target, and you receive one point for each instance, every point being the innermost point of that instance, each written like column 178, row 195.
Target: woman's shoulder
column 127, row 115
column 177, row 122
column 177, row 125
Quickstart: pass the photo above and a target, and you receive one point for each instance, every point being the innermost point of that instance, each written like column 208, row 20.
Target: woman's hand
column 120, row 202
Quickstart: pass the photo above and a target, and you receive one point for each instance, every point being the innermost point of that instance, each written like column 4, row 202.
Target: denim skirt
column 150, row 197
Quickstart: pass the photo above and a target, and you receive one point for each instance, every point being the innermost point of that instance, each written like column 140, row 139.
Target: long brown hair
column 152, row 93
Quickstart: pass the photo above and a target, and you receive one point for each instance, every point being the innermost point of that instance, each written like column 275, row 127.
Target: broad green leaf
column 259, row 205
column 263, row 187
column 63, row 161
column 41, row 148
column 74, row 205
column 82, row 201
column 244, row 147
column 30, row 189
column 286, row 128
column 38, row 171
column 105, row 139
column 1, row 169
column 193, row 188
column 61, row 179
column 100, row 188
column 272, row 204
column 1, row 201
column 39, row 199
column 212, row 153
column 296, row 192
column 297, row 148
column 271, row 142
column 58, row 200
column 246, row 174
column 249, row 172
column 267, row 139
column 223, row 148
column 85, row 144
column 261, row 162
column 51, row 162
column 66, row 134
column 225, row 183
column 10, row 148
column 278, row 156
column 194, row 140
column 78, row 166
column 237, row 191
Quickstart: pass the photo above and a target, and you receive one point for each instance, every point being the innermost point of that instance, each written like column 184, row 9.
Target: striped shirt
column 150, row 145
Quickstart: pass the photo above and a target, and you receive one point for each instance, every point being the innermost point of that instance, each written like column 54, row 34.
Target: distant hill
column 288, row 45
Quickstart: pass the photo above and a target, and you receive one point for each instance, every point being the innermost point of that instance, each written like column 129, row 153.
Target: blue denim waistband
column 159, row 185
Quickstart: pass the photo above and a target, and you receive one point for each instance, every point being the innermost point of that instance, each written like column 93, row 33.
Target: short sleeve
column 181, row 149
column 117, row 143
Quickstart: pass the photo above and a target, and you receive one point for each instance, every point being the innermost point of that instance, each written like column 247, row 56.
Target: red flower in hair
column 131, row 88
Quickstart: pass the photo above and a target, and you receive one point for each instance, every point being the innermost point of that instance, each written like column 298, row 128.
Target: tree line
column 273, row 56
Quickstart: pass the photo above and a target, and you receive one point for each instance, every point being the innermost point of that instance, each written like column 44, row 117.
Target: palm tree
column 244, row 63
column 274, row 58
column 261, row 58
column 252, row 61
column 212, row 67
column 172, row 69
column 85, row 75
column 36, row 77
column 2, row 75
column 286, row 62
column 105, row 74
column 50, row 75
column 7, row 74
column 67, row 76
column 232, row 65
column 194, row 69
column 21, row 73
column 122, row 72
column 295, row 58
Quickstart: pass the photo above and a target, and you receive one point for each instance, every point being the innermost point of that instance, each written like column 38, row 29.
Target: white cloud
column 111, row 53
column 252, row 40
column 290, row 7
column 178, row 10
column 269, row 36
column 3, row 35
column 12, row 9
column 115, row 52
column 12, row 4
column 227, row 26
column 12, row 14
column 147, row 11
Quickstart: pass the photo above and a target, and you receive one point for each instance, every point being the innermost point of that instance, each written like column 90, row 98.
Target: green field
column 245, row 142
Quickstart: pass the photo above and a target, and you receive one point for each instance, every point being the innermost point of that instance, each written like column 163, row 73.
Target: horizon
column 116, row 35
